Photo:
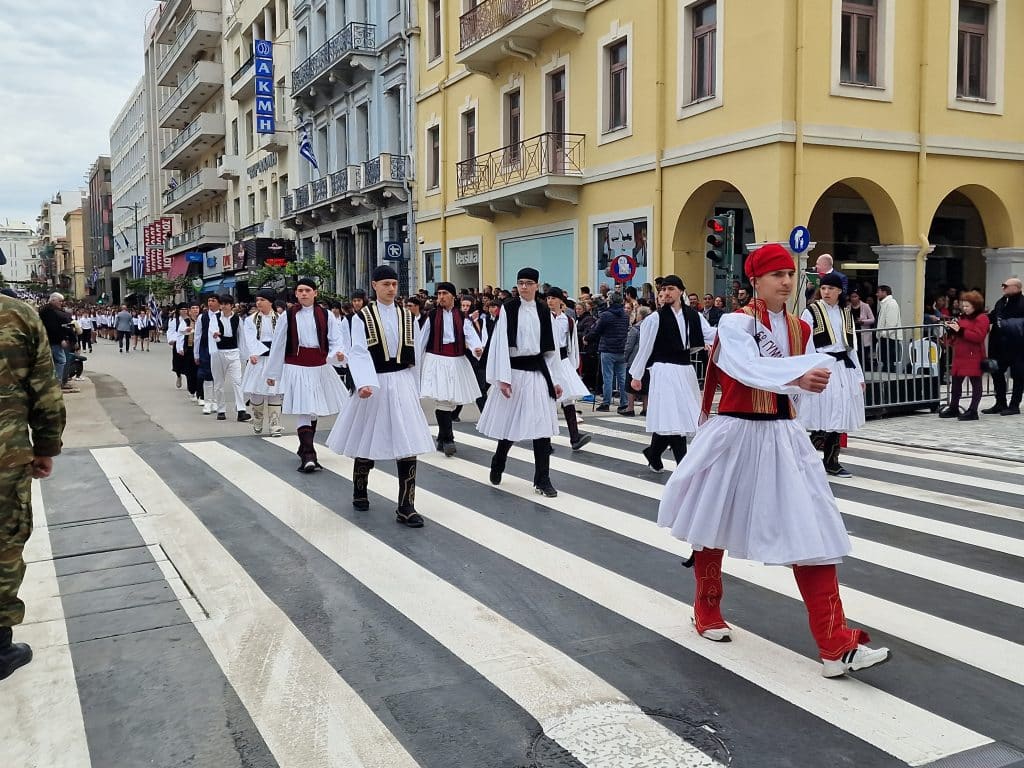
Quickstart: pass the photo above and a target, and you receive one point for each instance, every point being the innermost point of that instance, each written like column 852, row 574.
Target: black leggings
column 958, row 390
column 124, row 336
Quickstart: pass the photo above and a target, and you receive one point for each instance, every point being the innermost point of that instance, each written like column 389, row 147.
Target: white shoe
column 200, row 401
column 860, row 657
column 717, row 635
column 208, row 408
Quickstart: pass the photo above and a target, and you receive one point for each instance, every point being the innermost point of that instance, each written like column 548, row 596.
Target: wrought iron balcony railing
column 287, row 204
column 399, row 167
column 548, row 154
column 191, row 183
column 488, row 16
column 371, row 175
column 339, row 182
column 356, row 36
column 320, row 190
column 250, row 231
column 302, row 197
column 240, row 72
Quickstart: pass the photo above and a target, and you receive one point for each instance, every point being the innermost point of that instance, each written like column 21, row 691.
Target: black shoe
column 12, row 655
column 221, row 416
column 625, row 412
column 495, row 476
column 244, row 416
column 1011, row 411
column 968, row 416
column 997, row 408
column 603, row 408
column 583, row 440
column 456, row 418
column 545, row 488
column 410, row 518
column 448, row 448
column 309, row 466
column 949, row 412
column 654, row 462
column 362, row 505
column 838, row 471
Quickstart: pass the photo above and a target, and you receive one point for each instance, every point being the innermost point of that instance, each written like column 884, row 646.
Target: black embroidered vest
column 389, row 360
column 547, row 335
column 668, row 344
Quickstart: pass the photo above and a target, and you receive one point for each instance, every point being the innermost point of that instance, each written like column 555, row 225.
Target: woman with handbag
column 966, row 335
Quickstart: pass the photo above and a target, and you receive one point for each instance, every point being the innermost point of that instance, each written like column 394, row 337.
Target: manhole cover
column 547, row 750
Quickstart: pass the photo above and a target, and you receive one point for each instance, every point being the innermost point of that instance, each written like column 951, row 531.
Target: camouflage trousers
column 15, row 528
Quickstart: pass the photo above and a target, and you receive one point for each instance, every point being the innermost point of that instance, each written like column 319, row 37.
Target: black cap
column 306, row 281
column 227, row 298
column 267, row 294
column 446, row 286
column 833, row 280
column 384, row 272
column 528, row 273
column 672, row 281
column 556, row 293
column 359, row 293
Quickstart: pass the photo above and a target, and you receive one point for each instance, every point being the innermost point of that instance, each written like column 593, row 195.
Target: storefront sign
column 263, row 51
column 468, row 257
column 265, row 163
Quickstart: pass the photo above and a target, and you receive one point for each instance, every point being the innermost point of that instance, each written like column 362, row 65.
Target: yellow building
column 71, row 256
column 888, row 128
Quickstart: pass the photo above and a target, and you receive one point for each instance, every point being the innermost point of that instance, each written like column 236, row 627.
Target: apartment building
column 129, row 189
column 50, row 248
column 351, row 96
column 257, row 156
column 562, row 133
column 71, row 256
column 99, row 230
column 16, row 238
column 185, row 97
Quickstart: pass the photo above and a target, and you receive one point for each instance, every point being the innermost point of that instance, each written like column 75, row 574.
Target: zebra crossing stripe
column 980, row 650
column 39, row 731
column 307, row 715
column 884, row 721
column 959, row 461
column 952, row 531
column 569, row 702
column 957, row 478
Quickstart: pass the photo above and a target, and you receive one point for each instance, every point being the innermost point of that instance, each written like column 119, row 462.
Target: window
column 469, row 134
column 513, row 126
column 250, row 132
column 252, row 208
column 617, row 74
column 858, row 40
column 434, row 29
column 433, row 157
column 972, row 51
column 234, row 136
column 702, row 75
column 341, row 140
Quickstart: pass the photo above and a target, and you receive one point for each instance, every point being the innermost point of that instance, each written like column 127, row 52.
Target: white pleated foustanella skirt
column 572, row 385
column 448, row 379
column 387, row 425
column 757, row 489
column 529, row 414
column 839, row 408
column 315, row 390
column 254, row 380
column 673, row 400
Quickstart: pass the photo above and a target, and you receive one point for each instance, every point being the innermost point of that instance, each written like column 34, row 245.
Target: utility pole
column 134, row 207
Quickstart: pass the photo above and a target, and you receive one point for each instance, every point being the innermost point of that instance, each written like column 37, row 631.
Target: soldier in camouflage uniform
column 30, row 400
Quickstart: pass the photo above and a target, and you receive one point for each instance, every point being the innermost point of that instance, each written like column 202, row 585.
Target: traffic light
column 718, row 239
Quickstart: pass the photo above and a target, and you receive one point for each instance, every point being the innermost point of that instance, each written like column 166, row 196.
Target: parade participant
column 227, row 364
column 568, row 342
column 446, row 374
column 184, row 346
column 205, row 348
column 752, row 484
column 307, row 337
column 667, row 338
column 522, row 364
column 259, row 331
column 840, row 408
column 385, row 421
column 175, row 326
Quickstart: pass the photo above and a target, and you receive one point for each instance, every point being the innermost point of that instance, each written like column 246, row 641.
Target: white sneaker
column 860, row 657
column 200, row 401
column 208, row 408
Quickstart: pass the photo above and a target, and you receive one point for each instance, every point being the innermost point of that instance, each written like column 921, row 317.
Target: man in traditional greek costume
column 265, row 399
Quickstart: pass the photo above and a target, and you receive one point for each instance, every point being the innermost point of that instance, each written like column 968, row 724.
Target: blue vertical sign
column 263, row 51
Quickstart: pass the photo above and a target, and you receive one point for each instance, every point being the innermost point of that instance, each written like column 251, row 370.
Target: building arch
column 883, row 209
column 994, row 213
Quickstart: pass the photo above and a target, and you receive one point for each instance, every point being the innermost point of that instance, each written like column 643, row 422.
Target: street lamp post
column 134, row 207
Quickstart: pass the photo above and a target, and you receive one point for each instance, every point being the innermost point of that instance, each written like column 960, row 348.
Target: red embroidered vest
column 738, row 397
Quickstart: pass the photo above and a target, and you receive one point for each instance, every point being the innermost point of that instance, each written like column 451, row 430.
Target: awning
column 227, row 284
column 211, row 286
column 179, row 266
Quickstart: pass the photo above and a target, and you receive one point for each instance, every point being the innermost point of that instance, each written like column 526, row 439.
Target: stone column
column 899, row 268
column 1001, row 263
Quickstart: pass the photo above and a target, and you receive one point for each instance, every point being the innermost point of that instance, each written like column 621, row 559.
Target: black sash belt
column 564, row 353
column 536, row 364
column 684, row 360
column 842, row 357
column 265, row 352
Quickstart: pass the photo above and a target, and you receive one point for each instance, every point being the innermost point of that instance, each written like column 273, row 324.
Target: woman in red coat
column 967, row 336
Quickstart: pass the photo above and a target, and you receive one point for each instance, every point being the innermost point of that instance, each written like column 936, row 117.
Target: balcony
column 339, row 60
column 176, row 10
column 496, row 29
column 194, row 192
column 243, row 82
column 323, row 197
column 229, row 166
column 253, row 230
column 526, row 174
column 273, row 141
column 196, row 88
column 212, row 234
column 384, row 177
column 193, row 142
column 198, row 33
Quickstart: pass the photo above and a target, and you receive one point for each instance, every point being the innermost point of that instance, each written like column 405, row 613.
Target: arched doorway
column 689, row 241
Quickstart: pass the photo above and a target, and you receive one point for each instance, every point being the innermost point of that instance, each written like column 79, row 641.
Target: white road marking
column 993, row 654
column 946, row 458
column 554, row 688
column 307, row 715
column 44, row 727
column 958, row 478
column 990, row 508
column 885, row 721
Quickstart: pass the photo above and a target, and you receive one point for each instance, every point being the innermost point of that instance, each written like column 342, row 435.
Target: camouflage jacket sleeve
column 46, row 402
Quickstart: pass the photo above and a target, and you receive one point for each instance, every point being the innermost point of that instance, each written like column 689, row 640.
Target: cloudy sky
column 66, row 69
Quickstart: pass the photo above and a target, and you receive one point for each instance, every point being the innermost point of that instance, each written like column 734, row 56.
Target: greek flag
column 154, row 310
column 306, row 148
column 138, row 265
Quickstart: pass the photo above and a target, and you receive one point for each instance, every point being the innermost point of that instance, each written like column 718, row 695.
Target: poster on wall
column 619, row 239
